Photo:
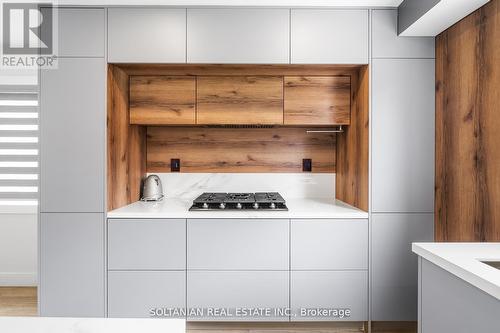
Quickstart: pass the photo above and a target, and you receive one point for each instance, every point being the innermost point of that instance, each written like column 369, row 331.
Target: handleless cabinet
column 394, row 267
column 323, row 36
column 387, row 44
column 403, row 135
column 238, row 244
column 146, row 35
column 321, row 244
column 72, row 121
column 244, row 36
column 80, row 31
column 345, row 291
column 134, row 294
column 72, row 265
column 157, row 244
column 243, row 289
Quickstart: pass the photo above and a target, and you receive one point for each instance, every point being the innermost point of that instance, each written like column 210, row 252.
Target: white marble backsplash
column 290, row 185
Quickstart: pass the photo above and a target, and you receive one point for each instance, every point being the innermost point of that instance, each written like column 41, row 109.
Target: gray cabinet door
column 230, row 290
column 403, row 135
column 248, row 35
column 323, row 36
column 238, row 244
column 80, row 32
column 335, row 290
column 146, row 244
column 73, row 118
column 146, row 35
column 450, row 304
column 394, row 285
column 329, row 244
column 71, row 265
column 141, row 294
column 387, row 44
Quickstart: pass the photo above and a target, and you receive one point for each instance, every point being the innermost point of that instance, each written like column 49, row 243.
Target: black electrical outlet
column 307, row 165
column 175, row 165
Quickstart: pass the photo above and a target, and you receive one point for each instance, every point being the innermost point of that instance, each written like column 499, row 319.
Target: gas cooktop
column 239, row 201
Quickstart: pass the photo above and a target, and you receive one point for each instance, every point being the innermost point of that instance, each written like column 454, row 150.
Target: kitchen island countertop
column 466, row 261
column 299, row 208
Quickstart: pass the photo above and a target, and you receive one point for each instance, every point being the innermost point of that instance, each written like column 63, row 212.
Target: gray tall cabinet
column 73, row 118
column 402, row 164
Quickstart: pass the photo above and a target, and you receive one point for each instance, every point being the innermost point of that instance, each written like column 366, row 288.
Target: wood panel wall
column 351, row 184
column 201, row 149
column 126, row 148
column 467, row 206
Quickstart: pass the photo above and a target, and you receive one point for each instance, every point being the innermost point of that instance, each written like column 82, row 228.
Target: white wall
column 18, row 249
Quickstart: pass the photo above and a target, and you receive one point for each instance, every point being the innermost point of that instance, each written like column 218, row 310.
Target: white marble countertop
column 299, row 208
column 464, row 260
column 90, row 325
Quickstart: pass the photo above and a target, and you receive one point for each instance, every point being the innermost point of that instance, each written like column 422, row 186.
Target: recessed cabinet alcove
column 237, row 118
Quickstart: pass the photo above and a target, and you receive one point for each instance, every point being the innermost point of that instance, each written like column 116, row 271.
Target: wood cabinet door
column 162, row 100
column 317, row 100
column 240, row 100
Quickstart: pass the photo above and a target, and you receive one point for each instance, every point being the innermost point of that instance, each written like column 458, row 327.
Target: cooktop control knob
column 222, row 205
column 205, row 205
column 239, row 206
column 272, row 205
column 256, row 205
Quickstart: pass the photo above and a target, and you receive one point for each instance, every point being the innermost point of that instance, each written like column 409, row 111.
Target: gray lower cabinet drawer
column 329, row 290
column 231, row 290
column 238, row 244
column 146, row 244
column 136, row 294
column 329, row 244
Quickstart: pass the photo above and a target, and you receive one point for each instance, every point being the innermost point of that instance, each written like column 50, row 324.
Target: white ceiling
column 238, row 3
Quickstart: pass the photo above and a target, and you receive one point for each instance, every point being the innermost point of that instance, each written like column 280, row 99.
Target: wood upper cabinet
column 162, row 100
column 317, row 100
column 240, row 100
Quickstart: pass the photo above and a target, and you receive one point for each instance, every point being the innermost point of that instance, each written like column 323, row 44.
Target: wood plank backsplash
column 202, row 149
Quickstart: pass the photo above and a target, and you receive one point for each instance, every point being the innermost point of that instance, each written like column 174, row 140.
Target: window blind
column 19, row 149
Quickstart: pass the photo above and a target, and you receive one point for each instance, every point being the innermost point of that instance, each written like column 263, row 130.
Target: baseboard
column 18, row 279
